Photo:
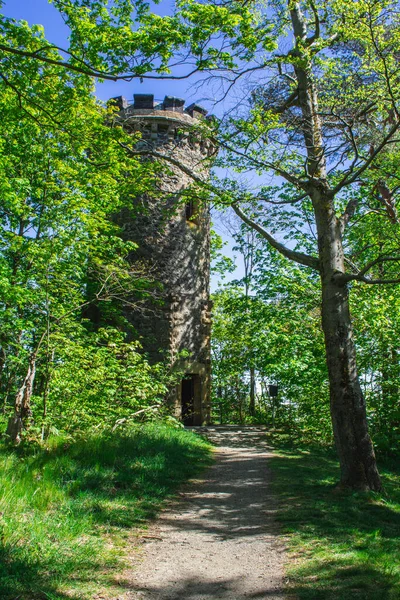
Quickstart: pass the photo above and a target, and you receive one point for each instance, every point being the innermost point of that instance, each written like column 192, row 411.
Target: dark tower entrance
column 191, row 400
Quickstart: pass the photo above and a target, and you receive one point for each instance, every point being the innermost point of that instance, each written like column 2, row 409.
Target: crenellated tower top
column 171, row 107
column 163, row 122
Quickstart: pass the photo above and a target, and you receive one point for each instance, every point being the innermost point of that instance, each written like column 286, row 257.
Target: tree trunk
column 252, row 403
column 349, row 419
column 389, row 385
column 22, row 406
column 2, row 363
column 220, row 401
column 348, row 411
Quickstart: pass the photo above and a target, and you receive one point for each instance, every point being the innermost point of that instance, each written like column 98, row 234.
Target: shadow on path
column 219, row 540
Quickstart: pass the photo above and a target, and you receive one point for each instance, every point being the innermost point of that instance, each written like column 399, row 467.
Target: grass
column 67, row 512
column 343, row 545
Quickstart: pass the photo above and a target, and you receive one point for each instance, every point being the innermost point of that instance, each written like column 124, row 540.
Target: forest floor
column 256, row 524
column 341, row 545
column 219, row 540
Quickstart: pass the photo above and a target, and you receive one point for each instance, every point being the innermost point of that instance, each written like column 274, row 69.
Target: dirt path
column 219, row 541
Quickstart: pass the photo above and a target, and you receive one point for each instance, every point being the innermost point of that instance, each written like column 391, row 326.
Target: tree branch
column 348, row 213
column 317, row 31
column 135, row 414
column 288, row 176
column 168, row 158
column 361, row 275
column 349, row 180
column 87, row 69
column 299, row 257
column 345, row 278
column 299, row 26
column 377, row 261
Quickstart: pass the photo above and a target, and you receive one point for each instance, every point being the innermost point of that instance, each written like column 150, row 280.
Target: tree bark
column 348, row 410
column 22, row 406
column 220, row 400
column 2, row 363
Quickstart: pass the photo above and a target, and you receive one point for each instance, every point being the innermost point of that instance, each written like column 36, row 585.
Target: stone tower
column 173, row 235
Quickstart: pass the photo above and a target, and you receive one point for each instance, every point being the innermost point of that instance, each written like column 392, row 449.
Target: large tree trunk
column 354, row 445
column 348, row 411
column 22, row 406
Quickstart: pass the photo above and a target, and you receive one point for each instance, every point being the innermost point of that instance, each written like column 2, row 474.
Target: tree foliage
column 281, row 337
column 311, row 152
column 63, row 174
column 323, row 117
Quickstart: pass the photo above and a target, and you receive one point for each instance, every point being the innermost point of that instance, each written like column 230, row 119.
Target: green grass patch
column 342, row 546
column 67, row 511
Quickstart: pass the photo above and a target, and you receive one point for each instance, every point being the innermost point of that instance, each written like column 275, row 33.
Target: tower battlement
column 163, row 123
column 170, row 104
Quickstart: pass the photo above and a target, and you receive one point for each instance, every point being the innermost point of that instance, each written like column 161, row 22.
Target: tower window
column 191, row 212
column 163, row 129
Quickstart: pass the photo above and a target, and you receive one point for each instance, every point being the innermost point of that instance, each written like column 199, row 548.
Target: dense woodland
column 314, row 120
column 306, row 98
column 267, row 330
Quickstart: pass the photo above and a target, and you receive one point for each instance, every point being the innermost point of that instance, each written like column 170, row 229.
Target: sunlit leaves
column 63, row 175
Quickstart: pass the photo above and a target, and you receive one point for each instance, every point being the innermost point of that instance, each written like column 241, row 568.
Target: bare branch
column 344, row 278
column 317, row 31
column 87, row 69
column 167, row 157
column 299, row 257
column 377, row 261
column 119, row 422
column 348, row 213
column 266, row 165
column 288, row 102
column 349, row 180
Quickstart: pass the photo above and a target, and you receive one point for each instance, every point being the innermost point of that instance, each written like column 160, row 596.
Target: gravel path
column 219, row 540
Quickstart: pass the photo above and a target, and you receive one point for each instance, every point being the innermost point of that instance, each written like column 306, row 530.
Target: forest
column 303, row 180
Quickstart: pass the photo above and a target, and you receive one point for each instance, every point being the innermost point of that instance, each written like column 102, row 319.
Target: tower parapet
column 163, row 122
column 173, row 236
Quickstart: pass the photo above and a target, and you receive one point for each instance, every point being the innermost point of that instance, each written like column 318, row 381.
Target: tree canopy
column 64, row 173
column 308, row 142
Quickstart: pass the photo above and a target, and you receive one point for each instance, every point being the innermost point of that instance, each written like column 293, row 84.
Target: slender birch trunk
column 252, row 403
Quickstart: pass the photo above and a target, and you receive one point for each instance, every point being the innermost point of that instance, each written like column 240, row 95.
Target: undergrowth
column 342, row 545
column 67, row 511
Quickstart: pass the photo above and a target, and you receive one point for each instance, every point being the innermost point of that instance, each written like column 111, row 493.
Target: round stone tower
column 173, row 236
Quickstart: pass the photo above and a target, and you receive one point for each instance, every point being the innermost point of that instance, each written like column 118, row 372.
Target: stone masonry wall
column 175, row 248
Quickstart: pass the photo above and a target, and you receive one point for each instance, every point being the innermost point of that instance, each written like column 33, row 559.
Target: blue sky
column 43, row 13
